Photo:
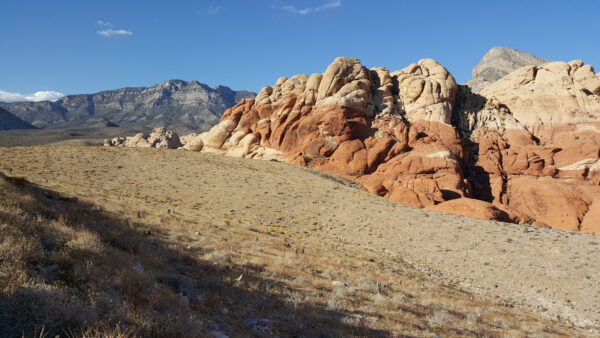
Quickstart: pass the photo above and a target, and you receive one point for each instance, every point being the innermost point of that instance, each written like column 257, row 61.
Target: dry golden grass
column 76, row 268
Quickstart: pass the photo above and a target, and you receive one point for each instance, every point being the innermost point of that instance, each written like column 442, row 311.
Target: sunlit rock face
column 497, row 63
column 525, row 148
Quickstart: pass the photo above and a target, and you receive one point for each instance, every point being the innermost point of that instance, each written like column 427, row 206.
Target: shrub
column 334, row 304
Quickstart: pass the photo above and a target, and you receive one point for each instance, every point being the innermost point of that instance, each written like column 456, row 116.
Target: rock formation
column 180, row 105
column 538, row 144
column 9, row 121
column 159, row 138
column 525, row 149
column 388, row 130
column 497, row 63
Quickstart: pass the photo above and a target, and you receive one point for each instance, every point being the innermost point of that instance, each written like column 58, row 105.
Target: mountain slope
column 9, row 121
column 178, row 104
column 497, row 63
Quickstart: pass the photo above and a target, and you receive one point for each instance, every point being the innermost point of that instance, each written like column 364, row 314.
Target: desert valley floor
column 509, row 275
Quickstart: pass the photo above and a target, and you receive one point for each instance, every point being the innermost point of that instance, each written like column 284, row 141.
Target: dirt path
column 553, row 272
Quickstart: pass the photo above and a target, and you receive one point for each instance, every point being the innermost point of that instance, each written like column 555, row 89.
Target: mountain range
column 177, row 104
column 9, row 121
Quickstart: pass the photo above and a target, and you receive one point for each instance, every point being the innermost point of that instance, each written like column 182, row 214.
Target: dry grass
column 70, row 269
column 78, row 268
column 74, row 275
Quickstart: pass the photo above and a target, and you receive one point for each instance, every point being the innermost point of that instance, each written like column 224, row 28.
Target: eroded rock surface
column 525, row 149
column 536, row 138
column 158, row 138
column 497, row 63
column 388, row 130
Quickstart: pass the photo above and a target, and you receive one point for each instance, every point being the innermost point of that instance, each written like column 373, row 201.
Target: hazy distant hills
column 9, row 121
column 181, row 105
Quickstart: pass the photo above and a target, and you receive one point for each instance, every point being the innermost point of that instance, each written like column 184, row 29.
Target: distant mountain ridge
column 9, row 121
column 178, row 104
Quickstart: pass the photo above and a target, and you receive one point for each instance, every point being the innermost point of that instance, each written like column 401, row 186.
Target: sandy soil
column 555, row 273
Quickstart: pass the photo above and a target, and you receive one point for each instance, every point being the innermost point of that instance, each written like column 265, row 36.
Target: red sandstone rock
column 561, row 204
column 472, row 208
column 391, row 132
column 591, row 220
column 526, row 149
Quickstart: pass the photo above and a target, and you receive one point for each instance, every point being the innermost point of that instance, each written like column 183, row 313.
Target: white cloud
column 332, row 4
column 114, row 32
column 303, row 11
column 214, row 10
column 210, row 10
column 296, row 10
column 110, row 31
column 37, row 96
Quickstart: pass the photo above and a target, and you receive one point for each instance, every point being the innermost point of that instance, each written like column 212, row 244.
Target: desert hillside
column 273, row 248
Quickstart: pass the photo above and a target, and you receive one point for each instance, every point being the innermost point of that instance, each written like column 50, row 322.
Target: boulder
column 426, row 91
column 194, row 143
column 158, row 138
column 472, row 208
column 560, row 203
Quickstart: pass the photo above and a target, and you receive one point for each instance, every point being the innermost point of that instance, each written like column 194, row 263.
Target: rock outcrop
column 553, row 93
column 474, row 208
column 158, row 138
column 538, row 143
column 525, row 149
column 180, row 105
column 390, row 131
column 497, row 63
column 9, row 121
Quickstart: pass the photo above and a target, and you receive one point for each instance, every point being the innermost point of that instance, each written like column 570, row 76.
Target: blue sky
column 80, row 46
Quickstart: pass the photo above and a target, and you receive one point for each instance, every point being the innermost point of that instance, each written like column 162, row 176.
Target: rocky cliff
column 526, row 149
column 178, row 104
column 9, row 121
